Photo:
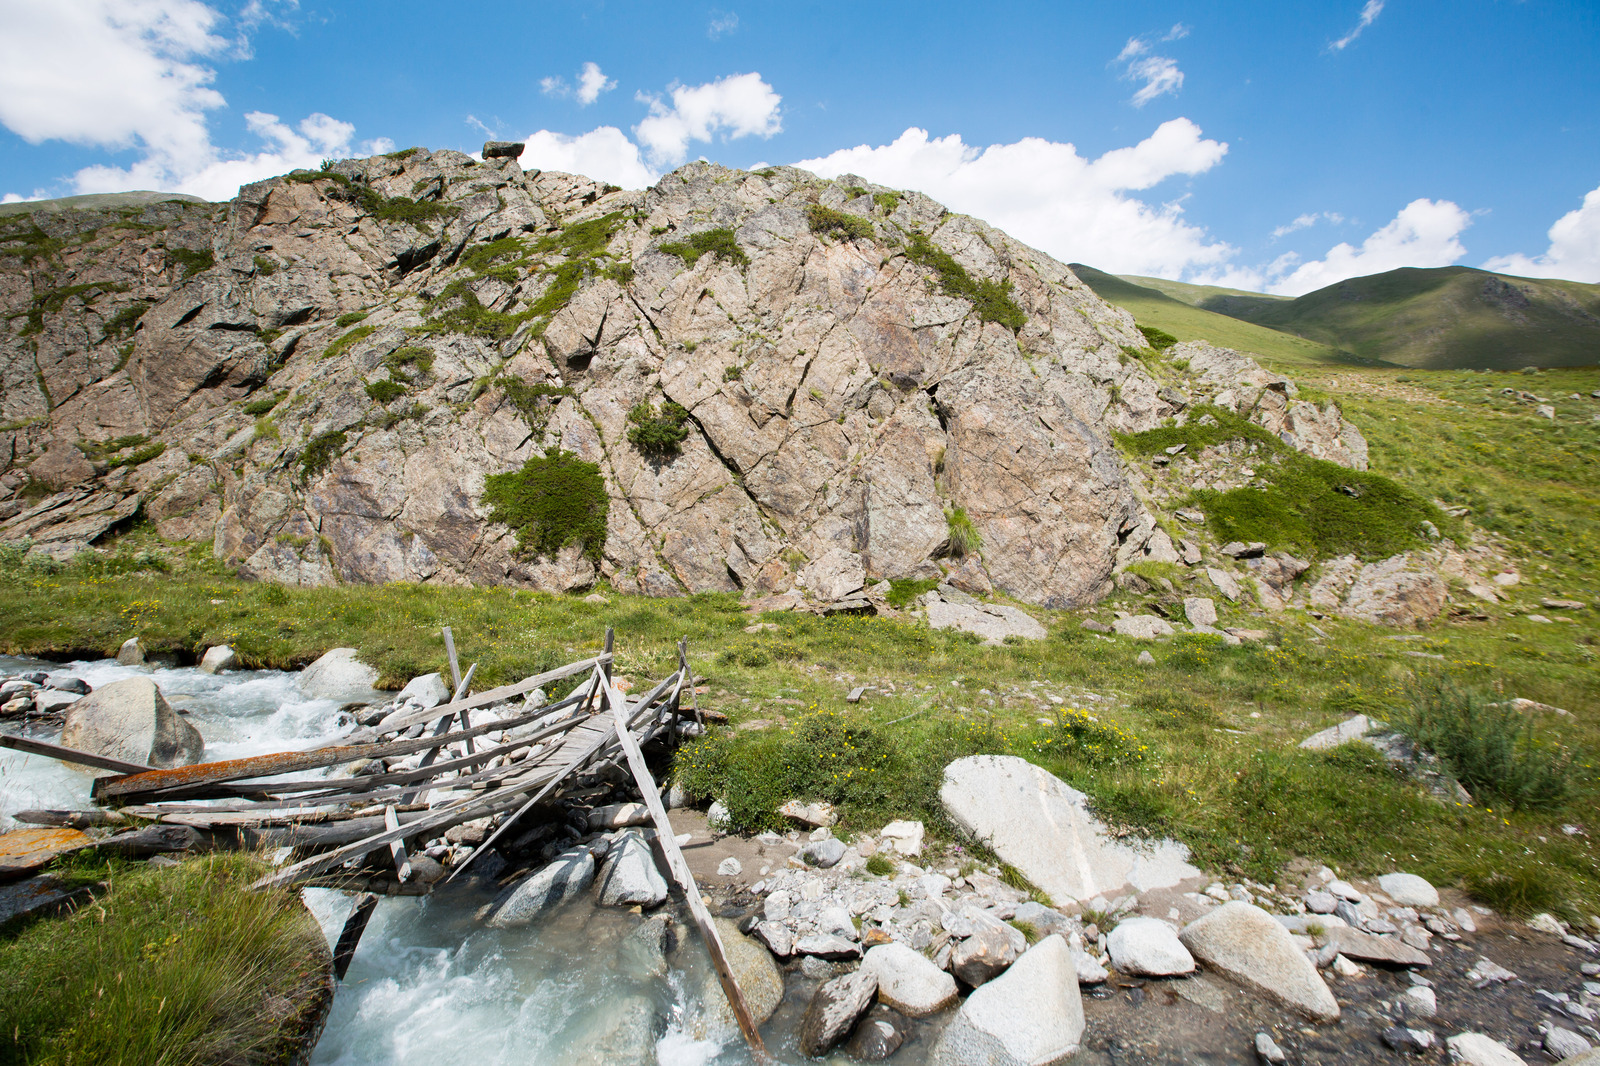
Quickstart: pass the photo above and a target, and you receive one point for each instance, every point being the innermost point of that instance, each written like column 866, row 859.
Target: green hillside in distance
column 1152, row 307
column 1445, row 317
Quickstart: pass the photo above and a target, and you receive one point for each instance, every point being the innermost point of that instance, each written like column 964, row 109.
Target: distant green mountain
column 1169, row 308
column 1447, row 317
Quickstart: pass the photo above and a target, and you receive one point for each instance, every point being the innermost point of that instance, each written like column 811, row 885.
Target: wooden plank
column 452, row 813
column 680, row 871
column 483, row 699
column 855, row 694
column 397, row 848
column 455, row 664
column 191, row 777
column 350, row 935
column 573, row 765
column 73, row 755
column 683, row 667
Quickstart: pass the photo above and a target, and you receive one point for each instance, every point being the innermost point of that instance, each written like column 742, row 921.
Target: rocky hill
column 422, row 367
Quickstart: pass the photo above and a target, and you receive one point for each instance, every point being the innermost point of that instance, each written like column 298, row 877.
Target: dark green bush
column 888, row 202
column 553, row 501
column 191, row 261
column 265, row 267
column 256, row 408
column 841, row 224
column 717, row 242
column 990, row 299
column 658, row 433
column 403, row 361
column 384, row 390
column 1489, row 746
column 124, row 321
column 138, row 458
column 320, row 453
column 349, row 318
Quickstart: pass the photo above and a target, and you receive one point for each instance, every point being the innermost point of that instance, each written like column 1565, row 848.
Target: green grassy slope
column 1439, row 318
column 1152, row 307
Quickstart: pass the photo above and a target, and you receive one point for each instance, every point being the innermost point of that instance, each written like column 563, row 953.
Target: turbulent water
column 429, row 985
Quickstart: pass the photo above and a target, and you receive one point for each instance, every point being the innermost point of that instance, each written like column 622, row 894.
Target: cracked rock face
column 840, row 402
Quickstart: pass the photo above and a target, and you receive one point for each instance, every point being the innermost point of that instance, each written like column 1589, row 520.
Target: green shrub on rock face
column 1158, row 339
column 964, row 536
column 717, row 242
column 384, row 391
column 658, row 433
column 840, row 224
column 320, row 453
column 990, row 299
column 553, row 501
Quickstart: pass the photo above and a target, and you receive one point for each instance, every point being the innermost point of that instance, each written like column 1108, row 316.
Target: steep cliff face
column 335, row 362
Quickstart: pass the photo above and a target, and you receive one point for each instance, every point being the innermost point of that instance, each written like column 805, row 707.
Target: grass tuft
column 990, row 299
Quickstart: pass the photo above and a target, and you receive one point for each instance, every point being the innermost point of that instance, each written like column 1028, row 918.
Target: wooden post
column 680, row 873
column 72, row 755
column 455, row 665
column 350, row 936
column 611, row 638
column 397, row 848
column 683, row 664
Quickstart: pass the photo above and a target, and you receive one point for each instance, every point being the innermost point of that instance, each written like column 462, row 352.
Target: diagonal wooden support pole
column 681, row 874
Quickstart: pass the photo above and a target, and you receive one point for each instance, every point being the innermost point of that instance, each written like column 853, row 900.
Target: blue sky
column 1269, row 146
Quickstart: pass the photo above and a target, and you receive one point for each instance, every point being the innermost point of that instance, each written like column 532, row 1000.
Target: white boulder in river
column 629, row 876
column 218, row 659
column 426, row 690
column 1247, row 944
column 908, row 981
column 1040, row 824
column 338, row 675
column 1028, row 1016
column 130, row 720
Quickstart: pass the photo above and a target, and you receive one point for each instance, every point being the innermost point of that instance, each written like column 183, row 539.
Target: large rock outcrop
column 320, row 375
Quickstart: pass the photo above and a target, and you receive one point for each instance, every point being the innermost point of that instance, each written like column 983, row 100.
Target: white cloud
column 123, row 74
column 591, row 83
column 605, row 154
column 1306, row 221
column 1425, row 233
column 1574, row 251
column 1046, row 194
column 1160, row 74
column 740, row 105
column 315, row 138
column 722, row 23
column 1369, row 14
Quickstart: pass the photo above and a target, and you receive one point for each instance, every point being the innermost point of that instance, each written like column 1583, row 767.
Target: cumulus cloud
column 1425, row 233
column 1369, row 14
column 121, row 74
column 1160, row 74
column 1574, row 252
column 740, row 105
column 1306, row 222
column 313, row 139
column 591, row 83
column 605, row 154
column 1046, row 194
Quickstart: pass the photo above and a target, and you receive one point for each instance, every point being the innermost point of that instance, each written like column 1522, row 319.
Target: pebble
column 1268, row 1049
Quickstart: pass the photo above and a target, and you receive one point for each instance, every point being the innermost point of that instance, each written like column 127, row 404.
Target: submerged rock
column 130, row 720
column 878, row 1035
column 757, row 974
column 834, row 1009
column 565, row 877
